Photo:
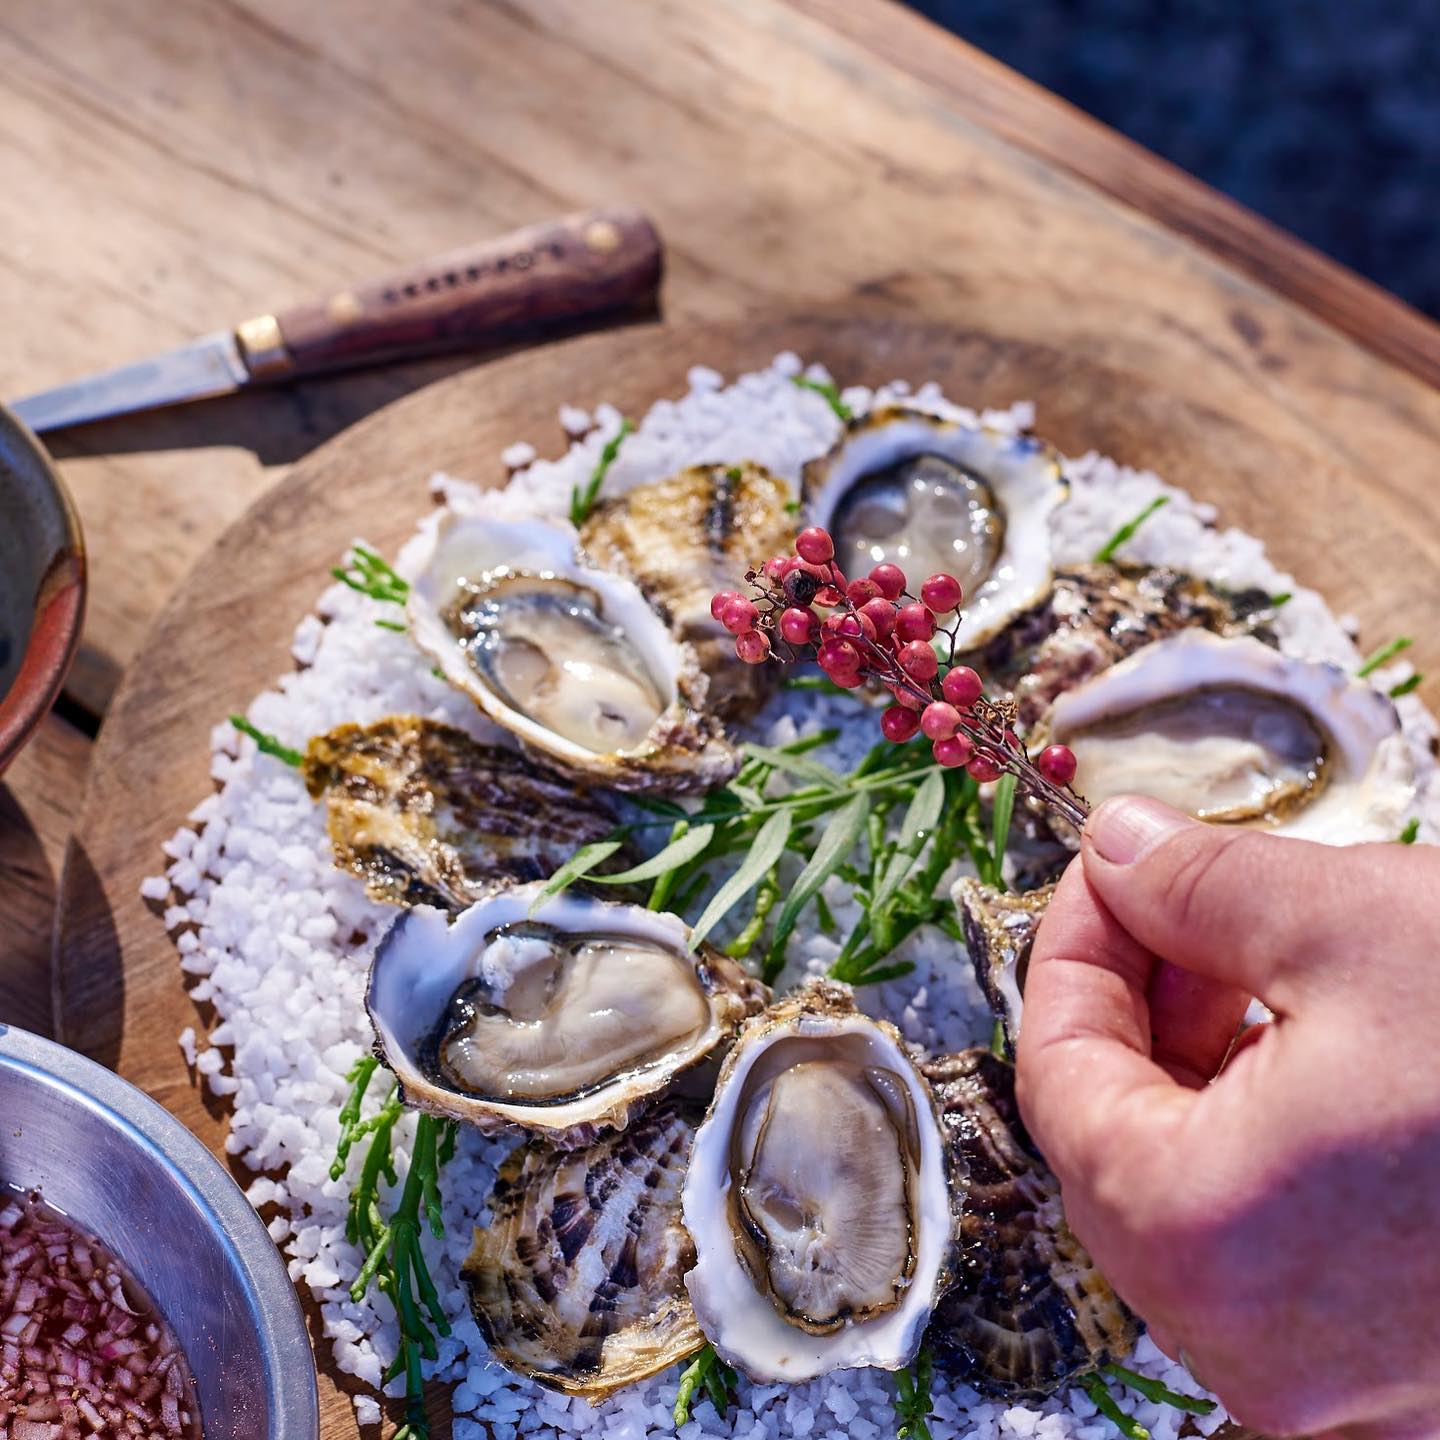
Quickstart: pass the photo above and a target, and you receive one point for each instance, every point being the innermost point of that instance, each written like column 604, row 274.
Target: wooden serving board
column 225, row 636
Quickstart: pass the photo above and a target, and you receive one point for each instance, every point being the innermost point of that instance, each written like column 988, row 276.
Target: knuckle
column 1209, row 864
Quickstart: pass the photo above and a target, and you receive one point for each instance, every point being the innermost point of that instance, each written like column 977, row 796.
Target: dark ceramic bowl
column 42, row 584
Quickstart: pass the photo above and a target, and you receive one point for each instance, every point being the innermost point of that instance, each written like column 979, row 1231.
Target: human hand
column 1281, row 1225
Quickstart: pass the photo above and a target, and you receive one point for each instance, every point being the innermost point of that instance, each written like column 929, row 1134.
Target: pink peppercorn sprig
column 877, row 631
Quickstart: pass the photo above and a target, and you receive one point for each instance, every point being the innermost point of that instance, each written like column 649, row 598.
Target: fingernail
column 1122, row 830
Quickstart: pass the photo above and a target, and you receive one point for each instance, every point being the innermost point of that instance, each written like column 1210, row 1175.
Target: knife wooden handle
column 582, row 267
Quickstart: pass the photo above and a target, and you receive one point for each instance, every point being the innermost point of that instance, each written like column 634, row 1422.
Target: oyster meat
column 933, row 495
column 688, row 536
column 571, row 660
column 563, row 1022
column 999, row 928
column 426, row 815
column 1236, row 732
column 578, row 1278
column 1029, row 1312
column 817, row 1195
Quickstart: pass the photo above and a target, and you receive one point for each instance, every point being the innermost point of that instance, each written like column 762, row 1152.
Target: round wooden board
column 225, row 635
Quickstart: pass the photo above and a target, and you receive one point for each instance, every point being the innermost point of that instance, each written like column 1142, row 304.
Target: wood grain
column 123, row 996
column 191, row 164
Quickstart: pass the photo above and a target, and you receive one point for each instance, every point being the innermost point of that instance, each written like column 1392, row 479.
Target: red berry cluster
column 877, row 631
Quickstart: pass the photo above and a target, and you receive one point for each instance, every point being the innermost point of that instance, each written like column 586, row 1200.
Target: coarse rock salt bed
column 278, row 940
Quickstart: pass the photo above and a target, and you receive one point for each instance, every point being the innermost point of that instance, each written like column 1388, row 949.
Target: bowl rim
column 292, row 1394
column 50, row 648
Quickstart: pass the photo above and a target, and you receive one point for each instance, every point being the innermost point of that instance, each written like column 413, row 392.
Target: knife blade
column 583, row 267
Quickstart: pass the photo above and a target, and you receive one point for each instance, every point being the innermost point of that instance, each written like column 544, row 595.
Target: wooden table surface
column 171, row 169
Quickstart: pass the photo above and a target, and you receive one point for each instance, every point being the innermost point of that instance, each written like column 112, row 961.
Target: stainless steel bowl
column 129, row 1172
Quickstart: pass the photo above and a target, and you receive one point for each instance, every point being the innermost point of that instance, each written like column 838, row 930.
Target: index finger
column 1089, row 1090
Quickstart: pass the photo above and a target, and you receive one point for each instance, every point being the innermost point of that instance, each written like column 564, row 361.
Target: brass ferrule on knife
column 262, row 348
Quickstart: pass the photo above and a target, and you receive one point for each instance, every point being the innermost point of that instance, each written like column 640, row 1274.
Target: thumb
column 1256, row 911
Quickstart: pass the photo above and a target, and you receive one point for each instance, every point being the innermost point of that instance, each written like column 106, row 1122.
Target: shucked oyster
column 561, row 1023
column 573, row 661
column 425, row 815
column 578, row 1278
column 1096, row 615
column 1028, row 1312
column 817, row 1195
column 932, row 495
column 684, row 538
column 999, row 929
column 1235, row 732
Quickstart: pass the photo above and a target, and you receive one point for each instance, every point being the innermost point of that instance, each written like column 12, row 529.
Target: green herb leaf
column 915, row 829
column 581, row 863
column 1001, row 813
column 1405, row 687
column 1127, row 531
column 835, row 843
column 1283, row 598
column 1411, row 832
column 821, row 683
column 1160, row 1394
column 672, row 857
column 398, row 626
column 709, row 1373
column 829, row 391
column 367, row 572
column 1094, row 1387
column 799, row 765
column 1384, row 653
column 912, row 1398
column 769, row 845
column 582, row 498
column 268, row 744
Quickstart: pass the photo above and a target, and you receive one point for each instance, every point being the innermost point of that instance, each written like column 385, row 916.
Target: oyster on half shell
column 571, row 660
column 1028, row 1312
column 426, row 815
column 563, row 1022
column 817, row 1195
column 1235, row 732
column 578, row 1278
column 686, row 537
column 999, row 928
column 932, row 495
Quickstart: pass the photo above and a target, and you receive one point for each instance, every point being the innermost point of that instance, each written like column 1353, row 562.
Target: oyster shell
column 817, row 1195
column 999, row 931
column 426, row 815
column 571, row 660
column 1235, row 732
column 932, row 495
column 578, row 1278
column 562, row 1023
column 687, row 536
column 1096, row 615
column 1029, row 1312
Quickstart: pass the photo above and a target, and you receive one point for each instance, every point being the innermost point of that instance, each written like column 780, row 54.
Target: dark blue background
column 1323, row 115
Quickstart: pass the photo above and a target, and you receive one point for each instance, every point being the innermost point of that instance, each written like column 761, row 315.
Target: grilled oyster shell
column 427, row 960
column 999, row 929
column 770, row 1239
column 578, row 1278
column 1029, row 1312
column 426, row 815
column 688, row 536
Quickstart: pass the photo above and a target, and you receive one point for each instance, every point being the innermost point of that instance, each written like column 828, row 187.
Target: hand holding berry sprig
column 878, row 631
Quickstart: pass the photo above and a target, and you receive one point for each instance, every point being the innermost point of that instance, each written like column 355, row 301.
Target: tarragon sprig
column 912, row 1398
column 1128, row 530
column 709, row 1374
column 583, row 497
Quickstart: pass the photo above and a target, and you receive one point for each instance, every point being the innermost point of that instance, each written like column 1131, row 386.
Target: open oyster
column 999, row 929
column 817, row 1195
column 561, row 1023
column 426, row 815
column 932, row 495
column 1028, row 1312
column 687, row 536
column 572, row 660
column 578, row 1278
column 1235, row 732
column 1096, row 615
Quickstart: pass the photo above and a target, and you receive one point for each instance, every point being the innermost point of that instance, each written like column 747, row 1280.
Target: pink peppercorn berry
column 739, row 615
column 857, row 592
column 815, row 545
column 941, row 593
column 1057, row 764
column 914, row 622
column 837, row 657
column 962, row 687
column 939, row 720
column 983, row 769
column 899, row 724
column 917, row 660
column 799, row 626
column 953, row 750
column 890, row 579
column 752, row 646
column 720, row 602
column 882, row 616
